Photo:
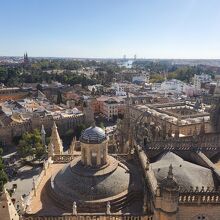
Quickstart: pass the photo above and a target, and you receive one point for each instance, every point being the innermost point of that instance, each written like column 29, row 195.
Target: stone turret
column 167, row 197
column 7, row 209
column 55, row 141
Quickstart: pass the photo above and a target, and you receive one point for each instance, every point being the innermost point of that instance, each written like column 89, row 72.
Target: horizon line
column 111, row 58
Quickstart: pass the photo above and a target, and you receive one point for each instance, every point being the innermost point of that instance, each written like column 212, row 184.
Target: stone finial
column 74, row 208
column 43, row 135
column 170, row 172
column 22, row 205
column 72, row 146
column 147, row 165
column 43, row 130
column 108, row 208
column 34, row 187
column 33, row 183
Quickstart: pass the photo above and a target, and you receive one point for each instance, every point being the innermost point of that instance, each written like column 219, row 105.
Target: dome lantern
column 94, row 147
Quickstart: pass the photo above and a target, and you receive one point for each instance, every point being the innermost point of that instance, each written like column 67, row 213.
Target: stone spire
column 56, row 141
column 168, row 196
column 169, row 182
column 7, row 208
column 43, row 134
column 50, row 150
column 72, row 146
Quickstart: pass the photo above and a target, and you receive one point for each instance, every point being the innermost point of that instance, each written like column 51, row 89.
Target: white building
column 173, row 86
column 199, row 79
column 141, row 78
column 119, row 89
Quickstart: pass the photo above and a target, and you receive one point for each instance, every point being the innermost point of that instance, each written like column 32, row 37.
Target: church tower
column 88, row 113
column 26, row 59
column 125, row 130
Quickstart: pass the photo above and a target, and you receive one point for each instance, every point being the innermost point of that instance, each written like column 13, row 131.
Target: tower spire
column 56, row 141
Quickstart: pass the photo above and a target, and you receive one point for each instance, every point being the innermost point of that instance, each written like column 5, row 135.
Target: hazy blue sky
column 111, row 28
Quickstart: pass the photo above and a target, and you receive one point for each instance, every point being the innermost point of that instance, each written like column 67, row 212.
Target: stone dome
column 94, row 135
column 90, row 188
column 75, row 181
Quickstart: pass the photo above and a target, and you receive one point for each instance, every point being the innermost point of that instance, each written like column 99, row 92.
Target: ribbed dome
column 93, row 135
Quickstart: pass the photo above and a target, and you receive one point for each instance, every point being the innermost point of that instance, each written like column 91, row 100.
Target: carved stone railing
column 207, row 142
column 199, row 196
column 66, row 158
column 88, row 216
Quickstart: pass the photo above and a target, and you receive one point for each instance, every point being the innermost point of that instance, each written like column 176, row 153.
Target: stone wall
column 7, row 133
column 194, row 211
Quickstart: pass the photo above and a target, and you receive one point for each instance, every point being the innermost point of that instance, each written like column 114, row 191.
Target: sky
column 111, row 28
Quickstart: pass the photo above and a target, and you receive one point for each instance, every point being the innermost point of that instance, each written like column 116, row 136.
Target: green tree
column 31, row 145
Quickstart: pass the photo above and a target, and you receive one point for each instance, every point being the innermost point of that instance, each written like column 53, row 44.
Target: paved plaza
column 24, row 181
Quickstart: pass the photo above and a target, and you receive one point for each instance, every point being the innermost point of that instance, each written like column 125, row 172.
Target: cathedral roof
column 94, row 135
column 185, row 173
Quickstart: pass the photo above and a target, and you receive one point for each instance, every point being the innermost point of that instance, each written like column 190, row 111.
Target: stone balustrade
column 199, row 196
column 88, row 216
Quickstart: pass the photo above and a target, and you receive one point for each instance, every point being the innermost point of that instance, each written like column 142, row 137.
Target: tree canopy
column 30, row 144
